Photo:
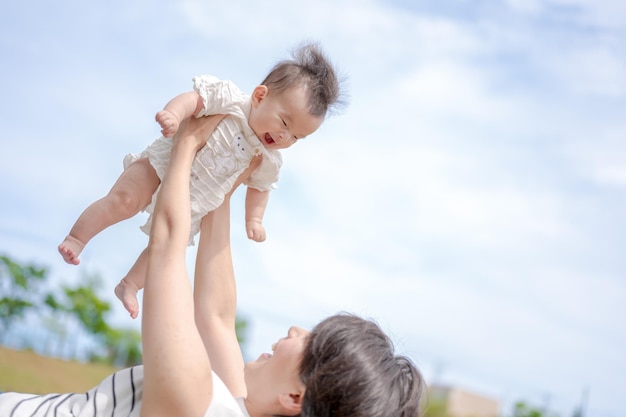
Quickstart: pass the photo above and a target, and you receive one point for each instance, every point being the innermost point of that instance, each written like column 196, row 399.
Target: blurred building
column 459, row 402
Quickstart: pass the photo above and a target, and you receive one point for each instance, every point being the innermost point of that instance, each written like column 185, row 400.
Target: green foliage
column 521, row 409
column 241, row 328
column 19, row 290
column 83, row 303
column 121, row 346
column 73, row 308
column 78, row 306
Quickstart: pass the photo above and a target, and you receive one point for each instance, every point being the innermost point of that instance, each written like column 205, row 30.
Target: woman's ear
column 291, row 403
column 259, row 94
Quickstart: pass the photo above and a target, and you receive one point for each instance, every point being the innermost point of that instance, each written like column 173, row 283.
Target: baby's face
column 279, row 120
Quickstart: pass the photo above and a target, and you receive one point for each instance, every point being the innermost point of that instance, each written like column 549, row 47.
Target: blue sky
column 471, row 197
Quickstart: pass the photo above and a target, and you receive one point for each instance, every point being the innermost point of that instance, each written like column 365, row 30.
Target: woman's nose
column 296, row 331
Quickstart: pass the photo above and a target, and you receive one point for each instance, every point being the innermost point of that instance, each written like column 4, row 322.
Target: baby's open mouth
column 268, row 138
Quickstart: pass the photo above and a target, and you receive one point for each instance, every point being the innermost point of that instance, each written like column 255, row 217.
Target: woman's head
column 273, row 381
column 344, row 367
column 349, row 369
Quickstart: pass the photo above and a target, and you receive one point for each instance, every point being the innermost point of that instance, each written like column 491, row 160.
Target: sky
column 470, row 198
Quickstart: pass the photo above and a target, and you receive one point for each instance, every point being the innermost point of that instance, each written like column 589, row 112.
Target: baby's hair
column 350, row 369
column 308, row 67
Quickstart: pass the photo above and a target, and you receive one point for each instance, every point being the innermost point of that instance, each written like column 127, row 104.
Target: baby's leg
column 131, row 192
column 128, row 287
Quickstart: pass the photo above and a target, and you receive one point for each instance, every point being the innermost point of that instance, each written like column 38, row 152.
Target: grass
column 26, row 371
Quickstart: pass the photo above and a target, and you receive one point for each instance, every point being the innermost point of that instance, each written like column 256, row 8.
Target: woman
column 344, row 367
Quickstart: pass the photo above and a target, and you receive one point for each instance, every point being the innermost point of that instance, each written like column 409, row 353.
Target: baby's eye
column 284, row 122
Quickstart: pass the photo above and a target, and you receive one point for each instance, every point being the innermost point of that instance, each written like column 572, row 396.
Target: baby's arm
column 178, row 109
column 256, row 201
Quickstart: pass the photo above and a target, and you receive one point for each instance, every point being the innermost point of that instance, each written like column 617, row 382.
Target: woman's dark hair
column 310, row 68
column 350, row 369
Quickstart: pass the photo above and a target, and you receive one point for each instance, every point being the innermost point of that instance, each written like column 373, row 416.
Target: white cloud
column 602, row 161
column 599, row 13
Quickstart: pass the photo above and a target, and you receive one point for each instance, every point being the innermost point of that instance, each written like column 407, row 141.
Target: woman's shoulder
column 223, row 404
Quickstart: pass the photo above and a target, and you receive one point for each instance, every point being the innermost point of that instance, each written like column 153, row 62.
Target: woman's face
column 280, row 370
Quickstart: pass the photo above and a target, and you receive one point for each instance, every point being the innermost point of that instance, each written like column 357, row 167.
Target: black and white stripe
column 119, row 395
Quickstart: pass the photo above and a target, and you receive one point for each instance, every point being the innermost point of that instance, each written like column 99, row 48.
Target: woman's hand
column 198, row 130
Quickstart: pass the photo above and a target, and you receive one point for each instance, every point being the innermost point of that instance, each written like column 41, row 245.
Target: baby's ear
column 292, row 403
column 259, row 94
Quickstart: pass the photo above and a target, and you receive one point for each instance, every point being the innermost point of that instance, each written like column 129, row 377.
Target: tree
column 84, row 304
column 121, row 346
column 76, row 311
column 521, row 409
column 19, row 290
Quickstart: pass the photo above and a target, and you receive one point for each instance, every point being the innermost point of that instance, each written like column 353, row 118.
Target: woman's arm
column 177, row 369
column 215, row 294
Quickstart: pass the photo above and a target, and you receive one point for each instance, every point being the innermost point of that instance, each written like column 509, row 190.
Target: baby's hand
column 169, row 123
column 255, row 231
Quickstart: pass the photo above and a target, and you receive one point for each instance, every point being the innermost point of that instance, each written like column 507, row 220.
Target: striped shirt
column 118, row 395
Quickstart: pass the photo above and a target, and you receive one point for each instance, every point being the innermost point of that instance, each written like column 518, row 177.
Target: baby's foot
column 126, row 291
column 70, row 248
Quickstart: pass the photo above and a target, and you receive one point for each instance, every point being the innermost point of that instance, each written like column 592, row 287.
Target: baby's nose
column 283, row 136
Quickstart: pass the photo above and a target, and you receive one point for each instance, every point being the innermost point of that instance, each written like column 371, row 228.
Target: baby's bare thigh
column 138, row 181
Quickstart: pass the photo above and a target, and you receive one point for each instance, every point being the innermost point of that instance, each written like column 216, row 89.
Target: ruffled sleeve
column 265, row 177
column 219, row 96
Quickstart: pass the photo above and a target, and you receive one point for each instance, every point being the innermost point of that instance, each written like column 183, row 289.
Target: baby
column 290, row 104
